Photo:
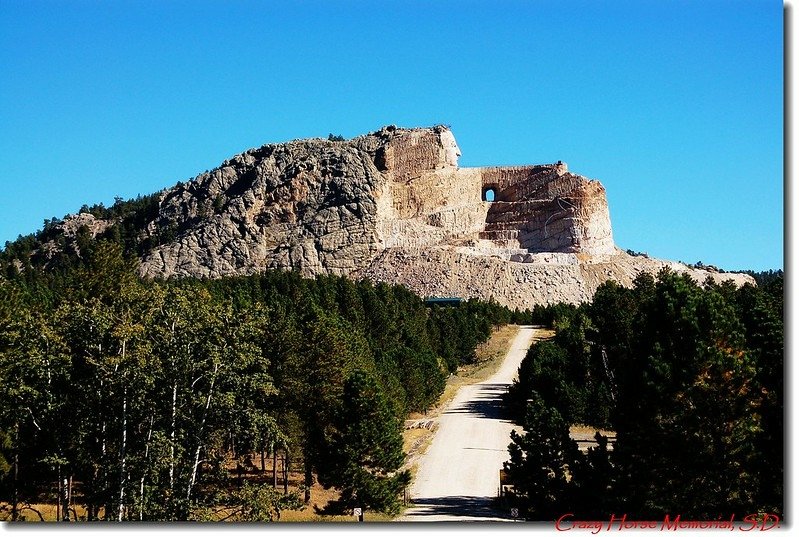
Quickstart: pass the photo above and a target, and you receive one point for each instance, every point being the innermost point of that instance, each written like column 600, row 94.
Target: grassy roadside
column 416, row 440
column 489, row 358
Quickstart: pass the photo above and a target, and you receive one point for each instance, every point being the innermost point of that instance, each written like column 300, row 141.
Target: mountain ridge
column 392, row 205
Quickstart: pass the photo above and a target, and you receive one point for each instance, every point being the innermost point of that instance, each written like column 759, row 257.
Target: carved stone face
column 451, row 149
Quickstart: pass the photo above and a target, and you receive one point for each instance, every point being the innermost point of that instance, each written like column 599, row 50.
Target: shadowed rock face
column 394, row 206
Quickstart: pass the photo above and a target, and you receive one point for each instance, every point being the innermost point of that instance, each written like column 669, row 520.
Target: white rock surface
column 393, row 206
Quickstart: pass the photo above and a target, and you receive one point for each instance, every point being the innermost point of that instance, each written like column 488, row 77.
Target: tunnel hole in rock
column 489, row 193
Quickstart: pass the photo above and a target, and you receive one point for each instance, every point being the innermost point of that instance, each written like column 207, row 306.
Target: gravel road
column 458, row 477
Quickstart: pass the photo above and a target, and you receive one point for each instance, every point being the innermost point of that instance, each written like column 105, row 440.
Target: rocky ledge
column 394, row 206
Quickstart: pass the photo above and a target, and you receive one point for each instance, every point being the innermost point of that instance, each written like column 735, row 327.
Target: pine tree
column 367, row 450
column 688, row 404
column 541, row 463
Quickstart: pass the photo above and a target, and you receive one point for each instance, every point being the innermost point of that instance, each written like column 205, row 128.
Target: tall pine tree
column 366, row 450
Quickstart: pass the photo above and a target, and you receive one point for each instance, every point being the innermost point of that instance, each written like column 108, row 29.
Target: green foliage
column 691, row 379
column 252, row 503
column 765, row 277
column 5, row 445
column 28, row 255
column 367, row 448
column 570, row 373
column 458, row 330
column 144, row 391
column 420, row 375
column 542, row 462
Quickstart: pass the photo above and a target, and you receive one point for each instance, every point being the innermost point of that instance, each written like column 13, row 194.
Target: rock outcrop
column 394, row 206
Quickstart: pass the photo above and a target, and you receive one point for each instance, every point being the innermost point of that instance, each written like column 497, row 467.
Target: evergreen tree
column 693, row 377
column 143, row 393
column 367, row 450
column 541, row 463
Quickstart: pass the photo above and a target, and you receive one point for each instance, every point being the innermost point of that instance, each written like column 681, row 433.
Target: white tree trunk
column 199, row 435
column 122, row 475
column 144, row 472
column 172, row 438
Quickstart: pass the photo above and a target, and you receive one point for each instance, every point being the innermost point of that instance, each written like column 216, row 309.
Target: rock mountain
column 394, row 206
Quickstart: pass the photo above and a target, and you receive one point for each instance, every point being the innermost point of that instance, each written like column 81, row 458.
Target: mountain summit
column 393, row 206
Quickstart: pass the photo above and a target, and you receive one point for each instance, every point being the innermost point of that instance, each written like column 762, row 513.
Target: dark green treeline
column 691, row 379
column 143, row 392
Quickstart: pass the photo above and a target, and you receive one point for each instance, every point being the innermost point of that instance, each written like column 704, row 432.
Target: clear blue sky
column 676, row 106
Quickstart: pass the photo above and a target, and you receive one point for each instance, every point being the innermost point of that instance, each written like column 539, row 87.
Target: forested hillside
column 691, row 379
column 60, row 250
column 142, row 393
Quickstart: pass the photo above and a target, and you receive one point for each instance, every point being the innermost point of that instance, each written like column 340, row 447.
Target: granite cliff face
column 394, row 206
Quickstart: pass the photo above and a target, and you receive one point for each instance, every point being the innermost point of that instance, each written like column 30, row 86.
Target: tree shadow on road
column 487, row 403
column 457, row 506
